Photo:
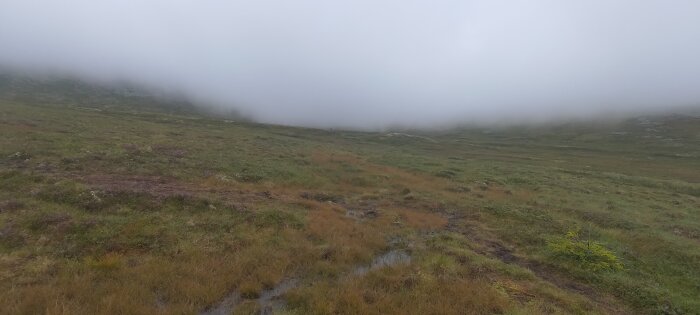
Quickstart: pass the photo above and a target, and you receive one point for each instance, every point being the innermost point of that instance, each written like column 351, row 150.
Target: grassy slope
column 107, row 211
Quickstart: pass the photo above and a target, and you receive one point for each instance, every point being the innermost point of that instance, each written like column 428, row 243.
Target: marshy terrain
column 115, row 210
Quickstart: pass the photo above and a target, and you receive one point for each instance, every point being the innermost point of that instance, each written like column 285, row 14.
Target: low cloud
column 369, row 63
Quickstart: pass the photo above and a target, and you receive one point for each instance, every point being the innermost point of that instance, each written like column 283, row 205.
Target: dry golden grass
column 422, row 220
column 180, row 284
column 399, row 290
column 344, row 240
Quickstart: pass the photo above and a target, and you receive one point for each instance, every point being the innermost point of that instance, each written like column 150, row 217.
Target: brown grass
column 399, row 290
column 421, row 220
column 343, row 239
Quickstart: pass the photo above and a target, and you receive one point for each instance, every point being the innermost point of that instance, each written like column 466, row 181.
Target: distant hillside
column 67, row 91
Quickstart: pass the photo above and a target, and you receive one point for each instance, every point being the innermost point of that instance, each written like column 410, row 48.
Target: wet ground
column 388, row 259
column 271, row 300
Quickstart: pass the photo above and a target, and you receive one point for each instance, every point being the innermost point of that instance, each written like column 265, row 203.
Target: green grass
column 121, row 211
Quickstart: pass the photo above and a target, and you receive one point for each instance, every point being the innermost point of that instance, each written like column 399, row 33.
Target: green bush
column 589, row 255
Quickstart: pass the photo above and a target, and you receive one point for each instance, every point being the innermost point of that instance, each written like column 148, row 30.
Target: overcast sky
column 372, row 63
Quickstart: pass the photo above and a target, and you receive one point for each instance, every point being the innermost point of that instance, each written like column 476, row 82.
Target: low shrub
column 588, row 254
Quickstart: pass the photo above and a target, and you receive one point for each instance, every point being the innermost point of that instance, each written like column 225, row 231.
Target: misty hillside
column 66, row 91
column 349, row 157
column 137, row 208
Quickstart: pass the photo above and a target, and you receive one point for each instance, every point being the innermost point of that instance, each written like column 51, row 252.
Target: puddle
column 268, row 301
column 160, row 302
column 353, row 214
column 271, row 300
column 361, row 215
column 388, row 259
column 224, row 307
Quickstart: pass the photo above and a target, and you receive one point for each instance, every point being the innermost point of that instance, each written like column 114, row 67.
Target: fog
column 376, row 63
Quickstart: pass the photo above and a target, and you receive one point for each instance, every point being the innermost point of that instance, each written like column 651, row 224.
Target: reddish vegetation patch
column 153, row 185
column 10, row 205
column 170, row 151
column 22, row 125
column 164, row 187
